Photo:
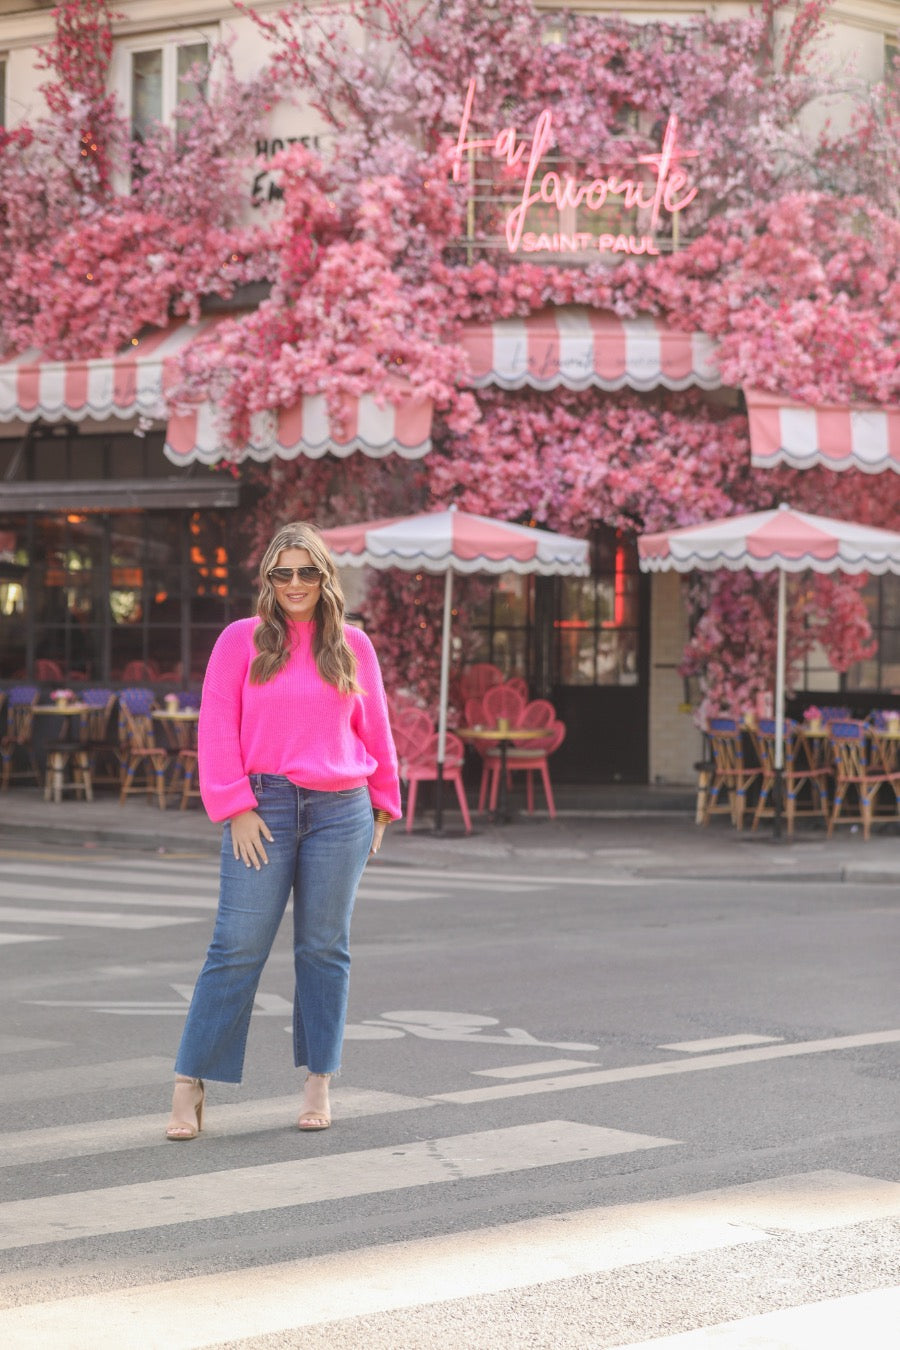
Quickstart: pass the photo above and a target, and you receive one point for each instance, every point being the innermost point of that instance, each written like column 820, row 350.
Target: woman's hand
column 377, row 838
column 247, row 833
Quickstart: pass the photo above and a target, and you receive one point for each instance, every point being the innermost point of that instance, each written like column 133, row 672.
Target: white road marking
column 223, row 1120
column 530, row 1070
column 856, row 1319
column 395, row 896
column 53, row 894
column 10, row 939
column 14, row 1045
column 118, row 875
column 509, row 879
column 249, row 1190
column 669, row 1066
column 720, row 1043
column 89, row 918
column 34, row 1085
column 288, row 1296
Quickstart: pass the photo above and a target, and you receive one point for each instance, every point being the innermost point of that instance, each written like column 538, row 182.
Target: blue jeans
column 321, row 841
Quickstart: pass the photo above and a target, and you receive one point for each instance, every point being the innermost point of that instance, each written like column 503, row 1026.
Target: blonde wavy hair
column 335, row 661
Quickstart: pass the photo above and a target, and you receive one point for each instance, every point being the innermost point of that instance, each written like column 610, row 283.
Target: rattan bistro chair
column 730, row 778
column 805, row 785
column 859, row 774
column 138, row 746
column 17, row 740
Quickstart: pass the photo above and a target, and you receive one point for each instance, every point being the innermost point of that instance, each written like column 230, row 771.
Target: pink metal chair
column 410, row 728
column 538, row 713
column 519, row 684
column 473, row 712
column 502, row 702
column 529, row 760
column 423, row 769
column 477, row 678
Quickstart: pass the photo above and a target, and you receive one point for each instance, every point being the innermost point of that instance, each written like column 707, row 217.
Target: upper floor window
column 892, row 61
column 156, row 76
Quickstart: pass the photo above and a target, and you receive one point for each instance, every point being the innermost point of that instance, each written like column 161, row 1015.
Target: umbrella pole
column 778, row 789
column 442, row 702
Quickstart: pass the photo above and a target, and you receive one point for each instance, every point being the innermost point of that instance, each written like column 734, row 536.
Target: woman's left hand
column 377, row 838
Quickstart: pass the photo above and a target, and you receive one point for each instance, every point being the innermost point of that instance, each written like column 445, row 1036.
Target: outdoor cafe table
column 503, row 738
column 179, row 727
column 56, row 759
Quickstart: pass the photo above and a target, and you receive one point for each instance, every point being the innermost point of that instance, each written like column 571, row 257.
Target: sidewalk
column 609, row 832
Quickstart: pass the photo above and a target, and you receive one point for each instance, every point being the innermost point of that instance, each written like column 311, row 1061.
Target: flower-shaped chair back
column 477, row 678
column 454, row 753
column 540, row 712
column 473, row 712
column 502, row 702
column 411, row 728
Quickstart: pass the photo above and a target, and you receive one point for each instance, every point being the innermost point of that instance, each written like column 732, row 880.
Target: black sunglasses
column 282, row 576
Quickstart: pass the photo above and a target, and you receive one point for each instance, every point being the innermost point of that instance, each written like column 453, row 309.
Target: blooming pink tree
column 790, row 263
column 787, row 256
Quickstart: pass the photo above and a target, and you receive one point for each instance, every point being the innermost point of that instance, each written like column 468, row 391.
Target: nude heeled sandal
column 178, row 1129
column 311, row 1118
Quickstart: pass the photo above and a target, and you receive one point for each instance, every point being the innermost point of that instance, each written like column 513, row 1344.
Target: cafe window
column 596, row 628
column 91, row 593
column 161, row 76
column 881, row 671
column 502, row 623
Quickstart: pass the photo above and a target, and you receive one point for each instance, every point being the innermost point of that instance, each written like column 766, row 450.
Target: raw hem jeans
column 321, row 841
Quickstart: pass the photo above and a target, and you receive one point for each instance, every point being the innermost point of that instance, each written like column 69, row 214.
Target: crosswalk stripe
column 33, row 893
column 32, row 1085
column 211, row 1195
column 114, row 875
column 89, row 918
column 856, row 1319
column 10, row 939
column 19, row 1147
column 267, row 1300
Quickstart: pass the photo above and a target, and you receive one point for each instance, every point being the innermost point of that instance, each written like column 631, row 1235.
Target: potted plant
column 62, row 697
column 812, row 718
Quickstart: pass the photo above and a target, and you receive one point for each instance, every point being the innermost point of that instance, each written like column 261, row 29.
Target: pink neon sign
column 671, row 193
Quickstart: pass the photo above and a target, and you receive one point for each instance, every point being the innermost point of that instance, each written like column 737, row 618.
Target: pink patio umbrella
column 454, row 541
column 782, row 539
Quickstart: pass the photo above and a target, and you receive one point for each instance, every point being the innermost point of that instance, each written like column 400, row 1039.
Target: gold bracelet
column 382, row 817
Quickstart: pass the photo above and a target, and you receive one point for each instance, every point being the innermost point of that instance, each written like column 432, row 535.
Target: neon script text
column 671, row 192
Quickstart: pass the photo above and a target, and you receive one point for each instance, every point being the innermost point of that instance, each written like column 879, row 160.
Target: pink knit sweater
column 296, row 724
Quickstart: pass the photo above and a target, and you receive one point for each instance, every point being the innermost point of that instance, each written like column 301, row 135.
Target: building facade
column 119, row 552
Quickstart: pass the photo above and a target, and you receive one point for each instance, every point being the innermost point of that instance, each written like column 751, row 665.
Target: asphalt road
column 576, row 1110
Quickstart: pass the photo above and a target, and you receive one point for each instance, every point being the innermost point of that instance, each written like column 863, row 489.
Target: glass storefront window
column 598, row 617
column 89, row 596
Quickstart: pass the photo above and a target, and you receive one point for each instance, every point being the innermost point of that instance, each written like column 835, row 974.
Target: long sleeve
column 372, row 724
column 224, row 782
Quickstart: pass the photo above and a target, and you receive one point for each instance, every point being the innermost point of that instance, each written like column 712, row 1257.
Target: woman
column 295, row 752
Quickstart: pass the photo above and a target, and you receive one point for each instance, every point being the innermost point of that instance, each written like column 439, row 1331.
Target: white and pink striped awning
column 367, row 426
column 838, row 437
column 138, row 382
column 128, row 385
column 579, row 348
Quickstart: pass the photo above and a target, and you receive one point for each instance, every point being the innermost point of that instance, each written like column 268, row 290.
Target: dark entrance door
column 596, row 634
